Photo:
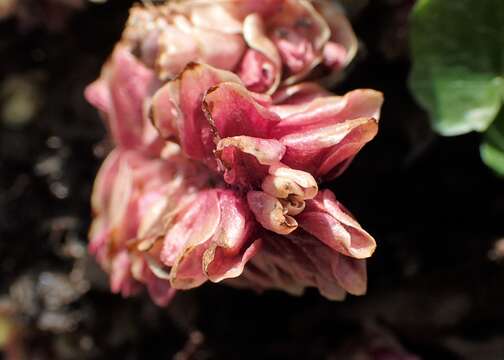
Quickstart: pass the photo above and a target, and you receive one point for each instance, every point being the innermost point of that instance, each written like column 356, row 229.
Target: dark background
column 435, row 282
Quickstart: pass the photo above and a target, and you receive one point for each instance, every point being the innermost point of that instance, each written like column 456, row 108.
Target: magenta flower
column 213, row 181
column 266, row 42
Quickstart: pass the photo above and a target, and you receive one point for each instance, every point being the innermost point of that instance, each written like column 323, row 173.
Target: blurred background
column 435, row 282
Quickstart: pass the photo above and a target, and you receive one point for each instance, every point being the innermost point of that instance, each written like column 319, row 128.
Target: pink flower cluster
column 220, row 150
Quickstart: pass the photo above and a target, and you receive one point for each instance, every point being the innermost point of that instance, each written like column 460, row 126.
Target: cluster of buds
column 222, row 139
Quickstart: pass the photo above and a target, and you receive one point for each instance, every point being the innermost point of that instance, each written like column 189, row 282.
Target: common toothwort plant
column 220, row 150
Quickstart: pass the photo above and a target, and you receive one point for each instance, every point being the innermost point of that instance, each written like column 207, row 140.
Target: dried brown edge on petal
column 243, row 143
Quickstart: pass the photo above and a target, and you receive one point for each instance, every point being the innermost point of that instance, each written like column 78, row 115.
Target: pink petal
column 233, row 111
column 245, row 159
column 121, row 280
column 295, row 262
column 262, row 65
column 299, row 33
column 327, row 220
column 119, row 94
column 160, row 290
column 326, row 111
column 102, row 188
column 343, row 45
column 267, row 152
column 299, row 94
column 186, row 92
column 256, row 71
column 351, row 274
column 230, row 247
column 303, row 179
column 270, row 213
column 321, row 151
column 196, row 224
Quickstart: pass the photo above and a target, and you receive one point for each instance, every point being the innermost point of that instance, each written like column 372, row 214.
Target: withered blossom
column 215, row 179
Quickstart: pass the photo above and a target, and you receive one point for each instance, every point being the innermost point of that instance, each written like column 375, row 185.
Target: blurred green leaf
column 492, row 149
column 458, row 62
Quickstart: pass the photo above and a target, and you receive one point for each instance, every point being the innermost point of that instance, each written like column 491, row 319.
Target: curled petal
column 215, row 243
column 343, row 45
column 270, row 213
column 165, row 112
column 254, row 33
column 245, row 159
column 326, row 219
column 230, row 249
column 119, row 94
column 281, row 187
column 299, row 33
column 329, row 110
column 303, row 179
column 177, row 106
column 351, row 274
column 298, row 94
column 267, row 152
column 196, row 224
column 233, row 111
column 327, row 151
column 257, row 72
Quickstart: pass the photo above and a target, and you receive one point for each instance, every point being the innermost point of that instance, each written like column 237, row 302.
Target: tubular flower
column 266, row 42
column 211, row 180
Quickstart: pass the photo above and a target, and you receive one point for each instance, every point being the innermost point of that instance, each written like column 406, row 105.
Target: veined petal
column 326, row 151
column 329, row 110
column 230, row 247
column 120, row 93
column 233, row 111
column 195, row 224
column 254, row 33
column 245, row 159
column 194, row 131
column 351, row 274
column 326, row 219
column 299, row 260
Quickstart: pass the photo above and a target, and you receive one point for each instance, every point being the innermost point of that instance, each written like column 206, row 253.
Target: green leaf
column 492, row 149
column 458, row 62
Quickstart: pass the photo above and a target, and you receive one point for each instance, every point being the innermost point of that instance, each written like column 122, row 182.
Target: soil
column 435, row 282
